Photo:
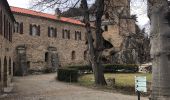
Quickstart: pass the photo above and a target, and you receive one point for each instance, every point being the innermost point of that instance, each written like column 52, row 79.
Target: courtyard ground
column 45, row 87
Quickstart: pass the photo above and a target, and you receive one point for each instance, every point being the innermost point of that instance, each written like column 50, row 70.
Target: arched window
column 73, row 55
column 9, row 66
column 46, row 56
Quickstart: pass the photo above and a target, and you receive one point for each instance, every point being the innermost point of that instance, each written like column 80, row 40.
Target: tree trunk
column 94, row 56
column 160, row 49
column 99, row 76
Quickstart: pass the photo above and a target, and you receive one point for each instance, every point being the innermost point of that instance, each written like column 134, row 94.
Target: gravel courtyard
column 45, row 87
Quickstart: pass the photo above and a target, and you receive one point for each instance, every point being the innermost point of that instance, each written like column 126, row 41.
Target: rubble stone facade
column 44, row 40
column 118, row 25
column 6, row 60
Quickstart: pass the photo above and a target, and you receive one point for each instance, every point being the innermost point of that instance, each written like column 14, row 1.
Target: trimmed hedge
column 121, row 68
column 109, row 68
column 67, row 74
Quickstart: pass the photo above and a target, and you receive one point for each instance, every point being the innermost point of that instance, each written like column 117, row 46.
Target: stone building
column 118, row 26
column 43, row 41
column 6, row 57
column 129, row 44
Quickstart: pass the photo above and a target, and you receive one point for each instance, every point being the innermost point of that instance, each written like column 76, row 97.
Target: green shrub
column 67, row 74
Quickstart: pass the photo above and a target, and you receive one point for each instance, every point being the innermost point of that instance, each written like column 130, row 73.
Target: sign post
column 140, row 85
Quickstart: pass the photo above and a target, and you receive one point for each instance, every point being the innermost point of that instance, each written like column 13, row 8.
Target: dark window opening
column 85, row 55
column 168, row 57
column 107, row 15
column 73, row 55
column 105, row 28
column 46, row 57
column 10, row 66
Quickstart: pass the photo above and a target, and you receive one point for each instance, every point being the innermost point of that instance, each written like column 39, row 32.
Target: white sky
column 142, row 17
column 19, row 3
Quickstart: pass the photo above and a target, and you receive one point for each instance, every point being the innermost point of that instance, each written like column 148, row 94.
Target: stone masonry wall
column 6, row 69
column 37, row 46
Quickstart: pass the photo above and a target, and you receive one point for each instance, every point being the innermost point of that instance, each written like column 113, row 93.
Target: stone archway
column 5, row 73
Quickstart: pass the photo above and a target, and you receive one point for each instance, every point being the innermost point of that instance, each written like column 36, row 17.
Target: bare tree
column 95, row 53
column 159, row 14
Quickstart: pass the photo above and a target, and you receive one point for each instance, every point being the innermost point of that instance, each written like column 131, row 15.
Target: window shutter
column 63, row 33
column 0, row 22
column 55, row 32
column 68, row 33
column 38, row 30
column 80, row 35
column 21, row 28
column 75, row 35
column 30, row 29
column 48, row 31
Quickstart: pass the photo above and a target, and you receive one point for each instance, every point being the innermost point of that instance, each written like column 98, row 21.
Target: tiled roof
column 45, row 15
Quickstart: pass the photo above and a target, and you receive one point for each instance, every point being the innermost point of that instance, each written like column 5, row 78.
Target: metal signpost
column 140, row 85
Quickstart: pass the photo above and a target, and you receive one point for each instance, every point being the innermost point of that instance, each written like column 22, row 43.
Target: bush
column 67, row 74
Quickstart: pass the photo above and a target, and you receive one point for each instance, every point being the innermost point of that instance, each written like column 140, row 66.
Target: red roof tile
column 45, row 15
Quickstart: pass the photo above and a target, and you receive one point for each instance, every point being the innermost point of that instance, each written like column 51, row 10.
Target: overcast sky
column 142, row 16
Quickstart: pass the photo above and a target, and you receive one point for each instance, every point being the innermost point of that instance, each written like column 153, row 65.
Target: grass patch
column 123, row 81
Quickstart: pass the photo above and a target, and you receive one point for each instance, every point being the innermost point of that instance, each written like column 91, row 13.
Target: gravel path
column 45, row 87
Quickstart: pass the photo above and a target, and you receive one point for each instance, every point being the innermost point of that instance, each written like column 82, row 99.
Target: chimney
column 57, row 12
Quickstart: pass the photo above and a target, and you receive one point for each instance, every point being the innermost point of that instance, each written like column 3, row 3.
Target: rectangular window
column 77, row 35
column 35, row 30
column 52, row 32
column 66, row 34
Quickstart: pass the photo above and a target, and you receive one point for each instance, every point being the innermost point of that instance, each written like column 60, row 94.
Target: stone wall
column 37, row 46
column 117, row 25
column 6, row 61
